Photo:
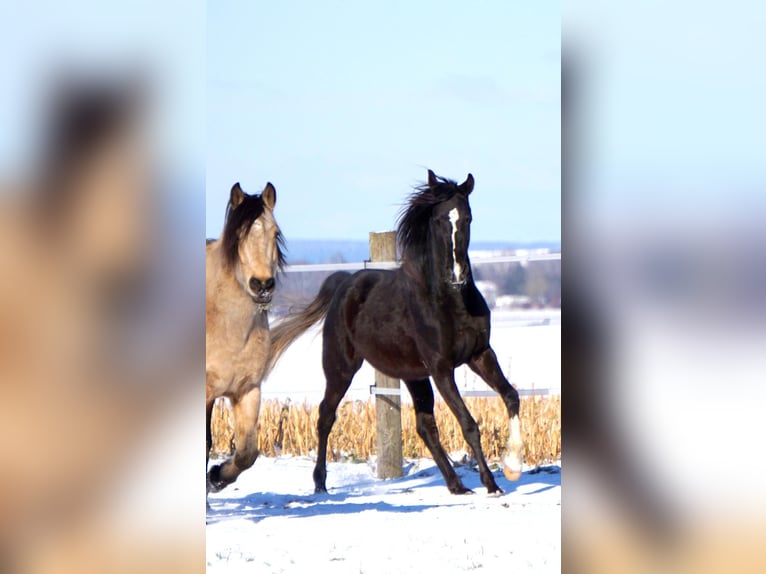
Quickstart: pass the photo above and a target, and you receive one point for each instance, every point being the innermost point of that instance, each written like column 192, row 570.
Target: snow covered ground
column 271, row 521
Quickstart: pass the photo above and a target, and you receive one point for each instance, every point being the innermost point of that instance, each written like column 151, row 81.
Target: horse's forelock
column 238, row 218
column 242, row 217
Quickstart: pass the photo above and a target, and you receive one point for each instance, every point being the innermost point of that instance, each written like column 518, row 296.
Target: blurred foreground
column 665, row 289
column 101, row 326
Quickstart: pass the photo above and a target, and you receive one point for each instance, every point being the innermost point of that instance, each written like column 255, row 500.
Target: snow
column 271, row 521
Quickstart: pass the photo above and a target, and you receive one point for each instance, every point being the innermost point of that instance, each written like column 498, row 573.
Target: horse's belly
column 395, row 358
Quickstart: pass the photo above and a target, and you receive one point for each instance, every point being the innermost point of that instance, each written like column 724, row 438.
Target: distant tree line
column 538, row 280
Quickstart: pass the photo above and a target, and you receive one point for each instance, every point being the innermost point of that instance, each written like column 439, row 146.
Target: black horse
column 424, row 319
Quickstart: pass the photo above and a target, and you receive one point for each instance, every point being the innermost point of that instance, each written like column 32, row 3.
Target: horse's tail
column 295, row 324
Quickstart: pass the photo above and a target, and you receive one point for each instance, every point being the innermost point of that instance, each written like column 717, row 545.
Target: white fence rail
column 475, row 260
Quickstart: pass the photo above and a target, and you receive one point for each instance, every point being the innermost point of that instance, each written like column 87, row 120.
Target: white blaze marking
column 457, row 271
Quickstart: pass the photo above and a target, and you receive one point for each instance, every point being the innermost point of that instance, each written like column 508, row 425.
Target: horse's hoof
column 512, row 466
column 214, row 482
column 320, row 490
column 511, row 474
column 461, row 490
column 497, row 492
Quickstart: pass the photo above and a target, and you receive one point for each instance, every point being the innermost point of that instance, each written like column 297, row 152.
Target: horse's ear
column 269, row 195
column 431, row 179
column 237, row 195
column 467, row 186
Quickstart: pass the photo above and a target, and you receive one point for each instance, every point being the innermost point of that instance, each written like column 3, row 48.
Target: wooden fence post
column 388, row 408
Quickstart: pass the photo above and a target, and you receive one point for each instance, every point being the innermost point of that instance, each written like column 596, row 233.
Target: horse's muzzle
column 261, row 291
column 262, row 301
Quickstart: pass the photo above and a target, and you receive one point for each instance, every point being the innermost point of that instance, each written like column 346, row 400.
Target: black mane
column 238, row 220
column 412, row 225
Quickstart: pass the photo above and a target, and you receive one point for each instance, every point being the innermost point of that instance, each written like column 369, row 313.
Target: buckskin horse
column 240, row 277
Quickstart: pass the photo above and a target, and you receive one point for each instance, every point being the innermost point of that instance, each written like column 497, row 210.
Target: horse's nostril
column 258, row 286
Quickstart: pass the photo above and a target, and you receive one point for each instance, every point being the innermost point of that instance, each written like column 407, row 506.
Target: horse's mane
column 240, row 218
column 412, row 225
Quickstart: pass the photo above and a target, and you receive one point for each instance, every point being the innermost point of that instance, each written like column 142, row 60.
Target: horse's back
column 368, row 290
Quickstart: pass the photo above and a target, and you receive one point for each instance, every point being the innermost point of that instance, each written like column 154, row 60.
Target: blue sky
column 343, row 106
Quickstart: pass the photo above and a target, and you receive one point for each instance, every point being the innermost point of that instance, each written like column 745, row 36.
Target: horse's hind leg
column 451, row 396
column 245, row 409
column 423, row 401
column 334, row 391
column 487, row 367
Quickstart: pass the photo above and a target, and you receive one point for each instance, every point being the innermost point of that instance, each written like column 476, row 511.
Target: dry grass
column 291, row 429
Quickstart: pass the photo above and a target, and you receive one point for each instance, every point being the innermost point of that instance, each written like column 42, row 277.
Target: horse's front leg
column 245, row 410
column 445, row 382
column 210, row 403
column 212, row 389
column 425, row 424
column 486, row 366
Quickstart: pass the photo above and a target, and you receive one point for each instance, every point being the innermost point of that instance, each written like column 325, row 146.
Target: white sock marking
column 457, row 270
column 512, row 459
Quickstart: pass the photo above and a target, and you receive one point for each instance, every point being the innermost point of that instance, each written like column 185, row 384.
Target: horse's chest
column 468, row 341
column 237, row 352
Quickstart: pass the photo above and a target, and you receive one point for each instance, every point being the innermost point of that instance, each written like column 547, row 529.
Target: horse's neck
column 433, row 281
